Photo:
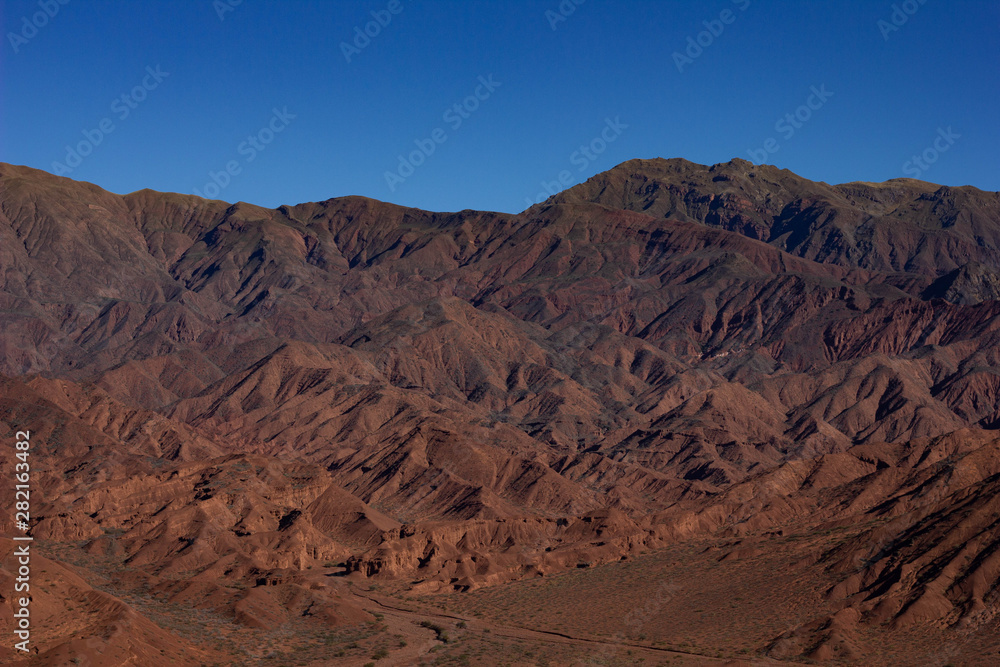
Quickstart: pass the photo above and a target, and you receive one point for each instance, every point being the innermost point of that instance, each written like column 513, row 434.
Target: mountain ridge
column 466, row 400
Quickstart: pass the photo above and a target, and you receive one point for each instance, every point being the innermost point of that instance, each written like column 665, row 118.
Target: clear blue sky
column 892, row 90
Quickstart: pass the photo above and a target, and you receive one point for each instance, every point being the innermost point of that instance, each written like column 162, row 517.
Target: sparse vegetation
column 442, row 634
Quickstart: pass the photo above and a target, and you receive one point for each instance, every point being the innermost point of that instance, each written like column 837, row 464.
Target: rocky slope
column 902, row 225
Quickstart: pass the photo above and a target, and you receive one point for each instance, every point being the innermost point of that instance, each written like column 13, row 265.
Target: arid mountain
column 232, row 404
column 902, row 225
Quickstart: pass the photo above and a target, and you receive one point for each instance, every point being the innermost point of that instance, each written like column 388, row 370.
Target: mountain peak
column 878, row 226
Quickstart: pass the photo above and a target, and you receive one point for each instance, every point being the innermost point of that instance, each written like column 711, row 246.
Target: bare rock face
column 969, row 283
column 902, row 225
column 241, row 408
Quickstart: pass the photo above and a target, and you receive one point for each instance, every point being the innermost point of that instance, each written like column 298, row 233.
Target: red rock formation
column 227, row 396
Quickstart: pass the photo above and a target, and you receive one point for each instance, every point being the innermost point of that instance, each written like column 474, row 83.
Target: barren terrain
column 677, row 414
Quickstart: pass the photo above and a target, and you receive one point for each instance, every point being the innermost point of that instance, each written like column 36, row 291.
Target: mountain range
column 253, row 425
